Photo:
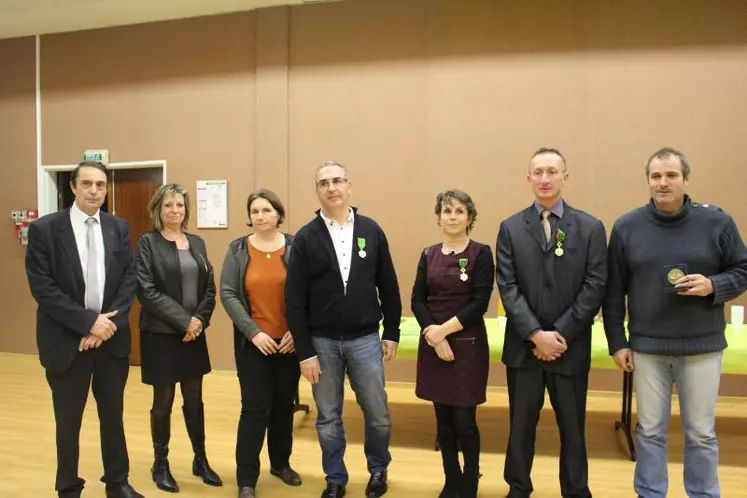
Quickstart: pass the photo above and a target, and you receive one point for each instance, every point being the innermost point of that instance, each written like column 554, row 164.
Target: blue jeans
column 362, row 359
column 697, row 379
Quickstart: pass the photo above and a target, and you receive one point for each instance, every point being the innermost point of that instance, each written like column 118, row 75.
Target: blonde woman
column 176, row 289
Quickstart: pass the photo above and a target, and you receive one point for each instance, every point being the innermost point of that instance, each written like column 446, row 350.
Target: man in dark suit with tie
column 82, row 275
column 551, row 274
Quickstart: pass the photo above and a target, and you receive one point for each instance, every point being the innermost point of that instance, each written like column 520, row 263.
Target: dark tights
column 457, row 427
column 163, row 395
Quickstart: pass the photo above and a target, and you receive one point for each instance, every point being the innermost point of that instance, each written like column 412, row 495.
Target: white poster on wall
column 212, row 204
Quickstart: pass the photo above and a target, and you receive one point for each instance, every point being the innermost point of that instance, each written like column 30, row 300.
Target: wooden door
column 132, row 189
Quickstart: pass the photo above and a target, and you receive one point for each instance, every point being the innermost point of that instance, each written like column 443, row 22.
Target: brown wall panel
column 18, row 167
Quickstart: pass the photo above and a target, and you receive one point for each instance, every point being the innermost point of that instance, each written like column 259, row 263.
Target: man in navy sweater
column 677, row 262
column 340, row 282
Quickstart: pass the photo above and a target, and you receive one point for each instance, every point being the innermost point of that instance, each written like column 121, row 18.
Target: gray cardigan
column 232, row 292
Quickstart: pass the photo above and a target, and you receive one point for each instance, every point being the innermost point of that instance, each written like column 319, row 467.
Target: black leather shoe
column 121, row 491
column 246, row 492
column 288, row 476
column 376, row 485
column 333, row 491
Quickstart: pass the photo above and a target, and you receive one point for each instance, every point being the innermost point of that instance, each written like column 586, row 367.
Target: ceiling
column 32, row 17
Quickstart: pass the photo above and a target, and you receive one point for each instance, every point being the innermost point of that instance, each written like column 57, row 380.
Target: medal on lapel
column 559, row 238
column 463, row 269
column 362, row 247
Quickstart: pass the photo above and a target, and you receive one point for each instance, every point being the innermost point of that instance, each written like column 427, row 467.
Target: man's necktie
column 93, row 301
column 546, row 225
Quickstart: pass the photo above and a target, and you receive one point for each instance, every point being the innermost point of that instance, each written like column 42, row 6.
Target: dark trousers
column 526, row 395
column 69, row 396
column 268, row 388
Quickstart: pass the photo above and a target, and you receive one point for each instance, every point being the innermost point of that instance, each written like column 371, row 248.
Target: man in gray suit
column 551, row 274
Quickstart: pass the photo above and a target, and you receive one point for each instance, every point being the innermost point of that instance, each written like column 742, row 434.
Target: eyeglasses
column 337, row 182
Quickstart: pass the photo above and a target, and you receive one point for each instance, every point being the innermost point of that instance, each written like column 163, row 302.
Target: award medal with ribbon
column 559, row 238
column 463, row 270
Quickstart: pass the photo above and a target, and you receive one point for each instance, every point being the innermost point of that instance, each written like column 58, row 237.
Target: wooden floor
column 27, row 452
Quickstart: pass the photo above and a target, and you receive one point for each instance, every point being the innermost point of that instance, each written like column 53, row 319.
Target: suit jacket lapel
column 110, row 239
column 533, row 226
column 70, row 247
column 565, row 224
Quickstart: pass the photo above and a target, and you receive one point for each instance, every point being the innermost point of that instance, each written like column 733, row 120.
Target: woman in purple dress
column 450, row 296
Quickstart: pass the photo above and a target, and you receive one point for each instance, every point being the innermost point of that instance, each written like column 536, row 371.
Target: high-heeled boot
column 160, row 430
column 194, row 418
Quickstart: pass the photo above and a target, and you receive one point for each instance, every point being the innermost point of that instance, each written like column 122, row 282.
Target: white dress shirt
column 80, row 230
column 342, row 239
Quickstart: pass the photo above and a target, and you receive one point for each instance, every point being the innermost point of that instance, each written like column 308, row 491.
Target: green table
column 735, row 356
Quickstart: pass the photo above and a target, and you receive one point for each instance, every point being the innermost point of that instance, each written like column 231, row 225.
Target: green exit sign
column 97, row 155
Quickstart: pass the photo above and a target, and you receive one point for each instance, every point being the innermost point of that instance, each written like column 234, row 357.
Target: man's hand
column 694, row 285
column 311, row 370
column 89, row 342
column 434, row 334
column 103, row 328
column 549, row 345
column 443, row 350
column 286, row 344
column 265, row 344
column 389, row 350
column 624, row 359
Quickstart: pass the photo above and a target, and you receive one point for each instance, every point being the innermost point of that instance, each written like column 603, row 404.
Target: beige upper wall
column 18, row 168
column 414, row 97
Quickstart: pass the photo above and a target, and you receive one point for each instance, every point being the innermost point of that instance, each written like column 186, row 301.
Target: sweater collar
column 665, row 218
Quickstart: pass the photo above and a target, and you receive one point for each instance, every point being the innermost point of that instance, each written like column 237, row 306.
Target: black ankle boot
column 194, row 418
column 160, row 429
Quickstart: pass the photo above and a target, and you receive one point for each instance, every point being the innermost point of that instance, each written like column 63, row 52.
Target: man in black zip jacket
column 340, row 282
column 677, row 262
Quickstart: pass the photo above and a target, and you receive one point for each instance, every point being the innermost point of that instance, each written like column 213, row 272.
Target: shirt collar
column 77, row 216
column 331, row 222
column 556, row 209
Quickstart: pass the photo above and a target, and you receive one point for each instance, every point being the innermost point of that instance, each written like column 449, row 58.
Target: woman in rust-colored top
column 252, row 290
